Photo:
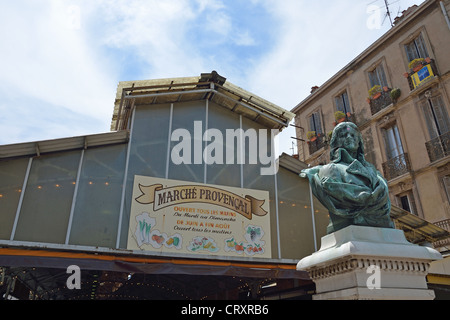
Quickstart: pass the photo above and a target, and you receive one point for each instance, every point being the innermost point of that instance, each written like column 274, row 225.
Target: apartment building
column 397, row 92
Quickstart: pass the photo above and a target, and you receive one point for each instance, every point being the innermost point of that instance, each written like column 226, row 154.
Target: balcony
column 380, row 101
column 344, row 117
column 444, row 224
column 316, row 144
column 439, row 147
column 396, row 166
column 422, row 73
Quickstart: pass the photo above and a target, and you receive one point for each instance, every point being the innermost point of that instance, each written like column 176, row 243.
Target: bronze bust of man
column 351, row 188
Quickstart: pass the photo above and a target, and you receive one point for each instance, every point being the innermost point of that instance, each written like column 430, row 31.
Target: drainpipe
column 444, row 11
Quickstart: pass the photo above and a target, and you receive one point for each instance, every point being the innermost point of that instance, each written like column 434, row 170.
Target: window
column 416, row 49
column 406, row 202
column 446, row 183
column 314, row 123
column 397, row 162
column 436, row 116
column 47, row 198
column 342, row 103
column 378, row 77
column 393, row 142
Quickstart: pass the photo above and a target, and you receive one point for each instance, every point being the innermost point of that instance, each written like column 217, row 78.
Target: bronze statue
column 351, row 188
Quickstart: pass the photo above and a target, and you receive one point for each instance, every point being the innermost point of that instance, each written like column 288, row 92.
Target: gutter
column 444, row 11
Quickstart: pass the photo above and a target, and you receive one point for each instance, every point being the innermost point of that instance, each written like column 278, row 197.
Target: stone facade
column 405, row 121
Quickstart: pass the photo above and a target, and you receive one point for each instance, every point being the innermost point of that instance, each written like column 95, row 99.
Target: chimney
column 313, row 89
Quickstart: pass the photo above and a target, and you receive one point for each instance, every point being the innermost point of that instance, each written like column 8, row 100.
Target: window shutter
column 315, row 123
column 446, row 182
column 441, row 114
column 339, row 103
column 429, row 118
column 381, row 75
column 421, row 48
column 372, row 79
column 346, row 102
column 377, row 76
column 411, row 53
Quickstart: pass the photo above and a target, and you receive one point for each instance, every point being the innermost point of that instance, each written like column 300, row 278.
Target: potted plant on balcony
column 339, row 116
column 311, row 135
column 395, row 94
column 416, row 64
column 329, row 135
column 375, row 92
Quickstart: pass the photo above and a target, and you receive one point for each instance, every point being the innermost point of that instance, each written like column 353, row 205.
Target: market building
column 183, row 199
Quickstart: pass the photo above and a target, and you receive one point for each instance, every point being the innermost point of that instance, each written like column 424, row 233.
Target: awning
column 416, row 229
column 150, row 264
column 42, row 274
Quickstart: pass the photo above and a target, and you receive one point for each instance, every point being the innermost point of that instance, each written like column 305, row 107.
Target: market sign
column 423, row 74
column 180, row 217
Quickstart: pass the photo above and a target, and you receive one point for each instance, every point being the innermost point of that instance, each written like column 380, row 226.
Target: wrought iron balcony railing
column 439, row 147
column 444, row 224
column 396, row 166
column 382, row 101
column 317, row 144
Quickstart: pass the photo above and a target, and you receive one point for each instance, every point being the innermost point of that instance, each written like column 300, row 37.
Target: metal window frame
column 22, row 195
column 74, row 197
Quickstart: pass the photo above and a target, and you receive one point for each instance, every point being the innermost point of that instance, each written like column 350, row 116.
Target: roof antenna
column 388, row 13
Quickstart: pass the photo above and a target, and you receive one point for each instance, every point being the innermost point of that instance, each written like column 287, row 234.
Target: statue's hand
column 307, row 173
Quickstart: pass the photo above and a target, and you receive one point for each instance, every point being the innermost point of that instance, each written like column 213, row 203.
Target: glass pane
column 405, row 203
column 411, row 51
column 381, row 75
column 372, row 78
column 223, row 174
column 393, row 142
column 148, row 151
column 398, row 141
column 421, row 47
column 12, row 174
column 340, row 104
column 184, row 117
column 315, row 123
column 346, row 102
column 48, row 198
column 254, row 180
column 97, row 207
column 295, row 217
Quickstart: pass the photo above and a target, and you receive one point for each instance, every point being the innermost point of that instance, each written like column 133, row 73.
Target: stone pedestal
column 369, row 263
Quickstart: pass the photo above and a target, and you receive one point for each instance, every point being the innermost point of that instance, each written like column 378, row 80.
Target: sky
column 61, row 61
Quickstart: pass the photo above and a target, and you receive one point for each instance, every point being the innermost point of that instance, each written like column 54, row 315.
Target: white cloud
column 46, row 61
column 66, row 58
column 244, row 39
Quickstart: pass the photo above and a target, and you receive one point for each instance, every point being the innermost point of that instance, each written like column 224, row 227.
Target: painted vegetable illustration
column 158, row 239
column 203, row 243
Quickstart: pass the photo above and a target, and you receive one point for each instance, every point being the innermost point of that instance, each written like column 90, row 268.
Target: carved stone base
column 369, row 263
